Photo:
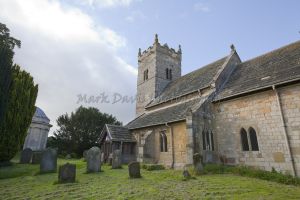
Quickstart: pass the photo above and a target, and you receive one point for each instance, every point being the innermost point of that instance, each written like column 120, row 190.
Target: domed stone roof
column 40, row 116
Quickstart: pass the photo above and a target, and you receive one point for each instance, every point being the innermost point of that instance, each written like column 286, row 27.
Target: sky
column 78, row 49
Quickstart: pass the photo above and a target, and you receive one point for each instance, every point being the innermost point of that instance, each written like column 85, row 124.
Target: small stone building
column 245, row 112
column 36, row 138
column 117, row 137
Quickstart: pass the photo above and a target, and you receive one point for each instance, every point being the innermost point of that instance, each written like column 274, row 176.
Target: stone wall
column 261, row 112
column 149, row 144
column 156, row 59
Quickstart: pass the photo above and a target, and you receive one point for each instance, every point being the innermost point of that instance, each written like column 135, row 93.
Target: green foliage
column 251, row 172
column 7, row 44
column 20, row 109
column 17, row 98
column 152, row 167
column 80, row 130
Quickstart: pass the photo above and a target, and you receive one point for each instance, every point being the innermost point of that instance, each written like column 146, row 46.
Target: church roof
column 190, row 82
column 276, row 67
column 40, row 117
column 169, row 114
column 117, row 133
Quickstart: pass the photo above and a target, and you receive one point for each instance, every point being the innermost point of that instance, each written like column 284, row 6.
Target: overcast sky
column 74, row 48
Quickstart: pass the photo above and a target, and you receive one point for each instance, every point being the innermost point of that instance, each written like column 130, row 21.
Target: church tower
column 157, row 66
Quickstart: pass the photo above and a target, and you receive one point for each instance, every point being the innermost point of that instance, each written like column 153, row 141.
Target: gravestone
column 116, row 159
column 109, row 159
column 26, row 156
column 134, row 170
column 198, row 166
column 49, row 161
column 84, row 155
column 93, row 160
column 186, row 174
column 36, row 157
column 67, row 173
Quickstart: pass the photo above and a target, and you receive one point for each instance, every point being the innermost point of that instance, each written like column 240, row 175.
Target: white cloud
column 107, row 3
column 201, row 7
column 135, row 15
column 68, row 54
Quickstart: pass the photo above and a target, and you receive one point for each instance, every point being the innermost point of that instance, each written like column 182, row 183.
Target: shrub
column 152, row 167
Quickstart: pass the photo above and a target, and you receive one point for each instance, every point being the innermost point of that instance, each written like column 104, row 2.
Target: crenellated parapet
column 157, row 47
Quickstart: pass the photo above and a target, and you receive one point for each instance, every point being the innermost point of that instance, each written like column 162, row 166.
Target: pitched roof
column 117, row 133
column 169, row 114
column 278, row 66
column 190, row 82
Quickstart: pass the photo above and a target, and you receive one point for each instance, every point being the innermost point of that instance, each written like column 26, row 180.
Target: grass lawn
column 115, row 184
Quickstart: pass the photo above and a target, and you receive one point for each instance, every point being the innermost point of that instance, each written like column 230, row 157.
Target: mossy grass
column 157, row 184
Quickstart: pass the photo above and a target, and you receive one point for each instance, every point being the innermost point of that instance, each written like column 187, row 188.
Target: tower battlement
column 161, row 48
column 158, row 66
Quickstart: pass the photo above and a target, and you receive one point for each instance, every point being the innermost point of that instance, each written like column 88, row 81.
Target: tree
column 7, row 44
column 18, row 95
column 80, row 130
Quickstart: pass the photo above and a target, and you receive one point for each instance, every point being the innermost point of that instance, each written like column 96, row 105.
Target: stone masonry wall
column 261, row 112
column 151, row 148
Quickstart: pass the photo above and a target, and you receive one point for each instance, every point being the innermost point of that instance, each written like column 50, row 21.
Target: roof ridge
column 270, row 52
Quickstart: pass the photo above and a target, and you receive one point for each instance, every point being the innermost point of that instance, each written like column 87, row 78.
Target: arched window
column 208, row 140
column 244, row 140
column 163, row 142
column 167, row 73
column 212, row 141
column 253, row 139
column 146, row 74
column 203, row 140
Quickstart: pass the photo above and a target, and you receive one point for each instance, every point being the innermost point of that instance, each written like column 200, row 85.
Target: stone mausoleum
column 36, row 138
column 245, row 112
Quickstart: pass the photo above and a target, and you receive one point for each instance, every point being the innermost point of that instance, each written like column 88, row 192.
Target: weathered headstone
column 186, row 174
column 26, row 156
column 36, row 157
column 134, row 170
column 93, row 160
column 116, row 159
column 198, row 166
column 102, row 157
column 67, row 173
column 109, row 161
column 85, row 155
column 49, row 161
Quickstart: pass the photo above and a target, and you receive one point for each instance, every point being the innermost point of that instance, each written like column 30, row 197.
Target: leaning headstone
column 134, row 170
column 116, row 159
column 67, row 173
column 93, row 160
column 85, row 155
column 26, row 156
column 48, row 161
column 198, row 166
column 36, row 157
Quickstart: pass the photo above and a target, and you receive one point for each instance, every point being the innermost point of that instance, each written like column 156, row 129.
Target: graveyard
column 23, row 181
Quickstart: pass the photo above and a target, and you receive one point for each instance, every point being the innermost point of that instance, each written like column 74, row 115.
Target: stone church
column 245, row 112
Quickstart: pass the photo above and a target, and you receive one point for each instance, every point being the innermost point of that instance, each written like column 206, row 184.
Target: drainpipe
column 285, row 132
column 172, row 141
